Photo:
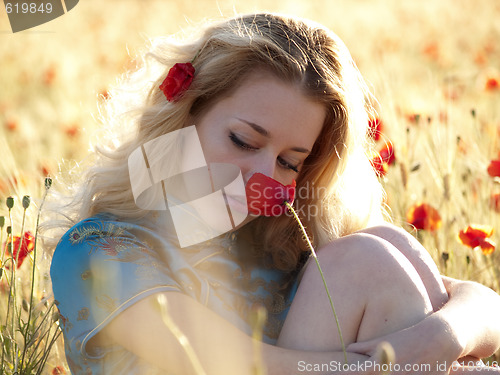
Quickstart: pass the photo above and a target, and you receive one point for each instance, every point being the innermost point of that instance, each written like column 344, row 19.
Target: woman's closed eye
column 245, row 146
column 241, row 144
column 287, row 165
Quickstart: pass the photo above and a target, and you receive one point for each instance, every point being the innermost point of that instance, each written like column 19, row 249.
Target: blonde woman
column 274, row 96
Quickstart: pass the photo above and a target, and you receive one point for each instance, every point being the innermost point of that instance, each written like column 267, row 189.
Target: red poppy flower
column 178, row 80
column 380, row 166
column 492, row 84
column 387, row 153
column 487, row 246
column 375, row 128
column 49, row 76
column 45, row 170
column 58, row 370
column 27, row 246
column 494, row 168
column 462, row 146
column 423, row 216
column 72, row 130
column 104, row 94
column 480, row 58
column 477, row 235
column 11, row 125
column 267, row 197
column 431, row 50
column 413, row 117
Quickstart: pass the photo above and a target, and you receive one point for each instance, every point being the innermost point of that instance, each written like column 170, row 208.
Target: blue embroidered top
column 102, row 266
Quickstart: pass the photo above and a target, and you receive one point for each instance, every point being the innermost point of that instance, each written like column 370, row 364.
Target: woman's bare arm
column 467, row 325
column 474, row 313
column 220, row 347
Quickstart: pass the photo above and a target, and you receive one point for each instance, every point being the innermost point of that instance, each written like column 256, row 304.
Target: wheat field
column 434, row 67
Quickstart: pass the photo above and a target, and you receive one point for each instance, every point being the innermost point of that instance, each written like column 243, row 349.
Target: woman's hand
column 428, row 347
column 468, row 325
column 473, row 312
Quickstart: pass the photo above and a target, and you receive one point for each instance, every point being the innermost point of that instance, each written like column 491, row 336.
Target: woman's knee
column 302, row 332
column 395, row 295
column 364, row 249
column 372, row 286
column 418, row 256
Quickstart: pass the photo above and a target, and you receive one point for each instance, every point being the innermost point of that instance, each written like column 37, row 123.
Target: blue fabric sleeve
column 101, row 267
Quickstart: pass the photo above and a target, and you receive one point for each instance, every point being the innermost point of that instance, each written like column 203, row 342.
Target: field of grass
column 434, row 67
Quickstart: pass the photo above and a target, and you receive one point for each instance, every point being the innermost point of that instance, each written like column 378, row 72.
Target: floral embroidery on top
column 83, row 232
column 83, row 314
column 234, row 293
column 63, row 320
column 107, row 237
column 112, row 245
column 107, row 303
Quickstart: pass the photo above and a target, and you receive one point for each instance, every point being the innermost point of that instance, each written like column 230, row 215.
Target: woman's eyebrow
column 259, row 129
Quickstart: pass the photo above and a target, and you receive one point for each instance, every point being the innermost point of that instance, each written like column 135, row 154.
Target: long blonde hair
column 339, row 182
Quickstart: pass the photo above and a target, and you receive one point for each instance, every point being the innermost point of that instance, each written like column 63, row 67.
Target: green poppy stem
column 313, row 252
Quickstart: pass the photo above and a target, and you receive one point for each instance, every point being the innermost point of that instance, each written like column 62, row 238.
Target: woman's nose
column 264, row 166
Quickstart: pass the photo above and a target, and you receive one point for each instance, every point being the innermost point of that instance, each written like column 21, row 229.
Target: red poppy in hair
column 178, row 80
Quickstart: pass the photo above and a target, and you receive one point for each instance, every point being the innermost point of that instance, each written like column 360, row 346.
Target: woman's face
column 265, row 126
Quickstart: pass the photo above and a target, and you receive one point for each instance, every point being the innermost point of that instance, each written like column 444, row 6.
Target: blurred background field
column 434, row 67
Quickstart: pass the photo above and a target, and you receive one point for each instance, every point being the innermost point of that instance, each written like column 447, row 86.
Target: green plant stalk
column 313, row 252
column 1, row 242
column 21, row 240
column 491, row 266
column 11, row 291
column 183, row 340
column 30, row 309
column 37, row 359
column 41, row 324
column 39, row 362
column 259, row 320
column 14, row 287
column 48, row 348
column 2, row 265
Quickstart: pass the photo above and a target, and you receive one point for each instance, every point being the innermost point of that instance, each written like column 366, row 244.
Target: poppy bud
column 10, row 202
column 48, row 183
column 26, row 201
